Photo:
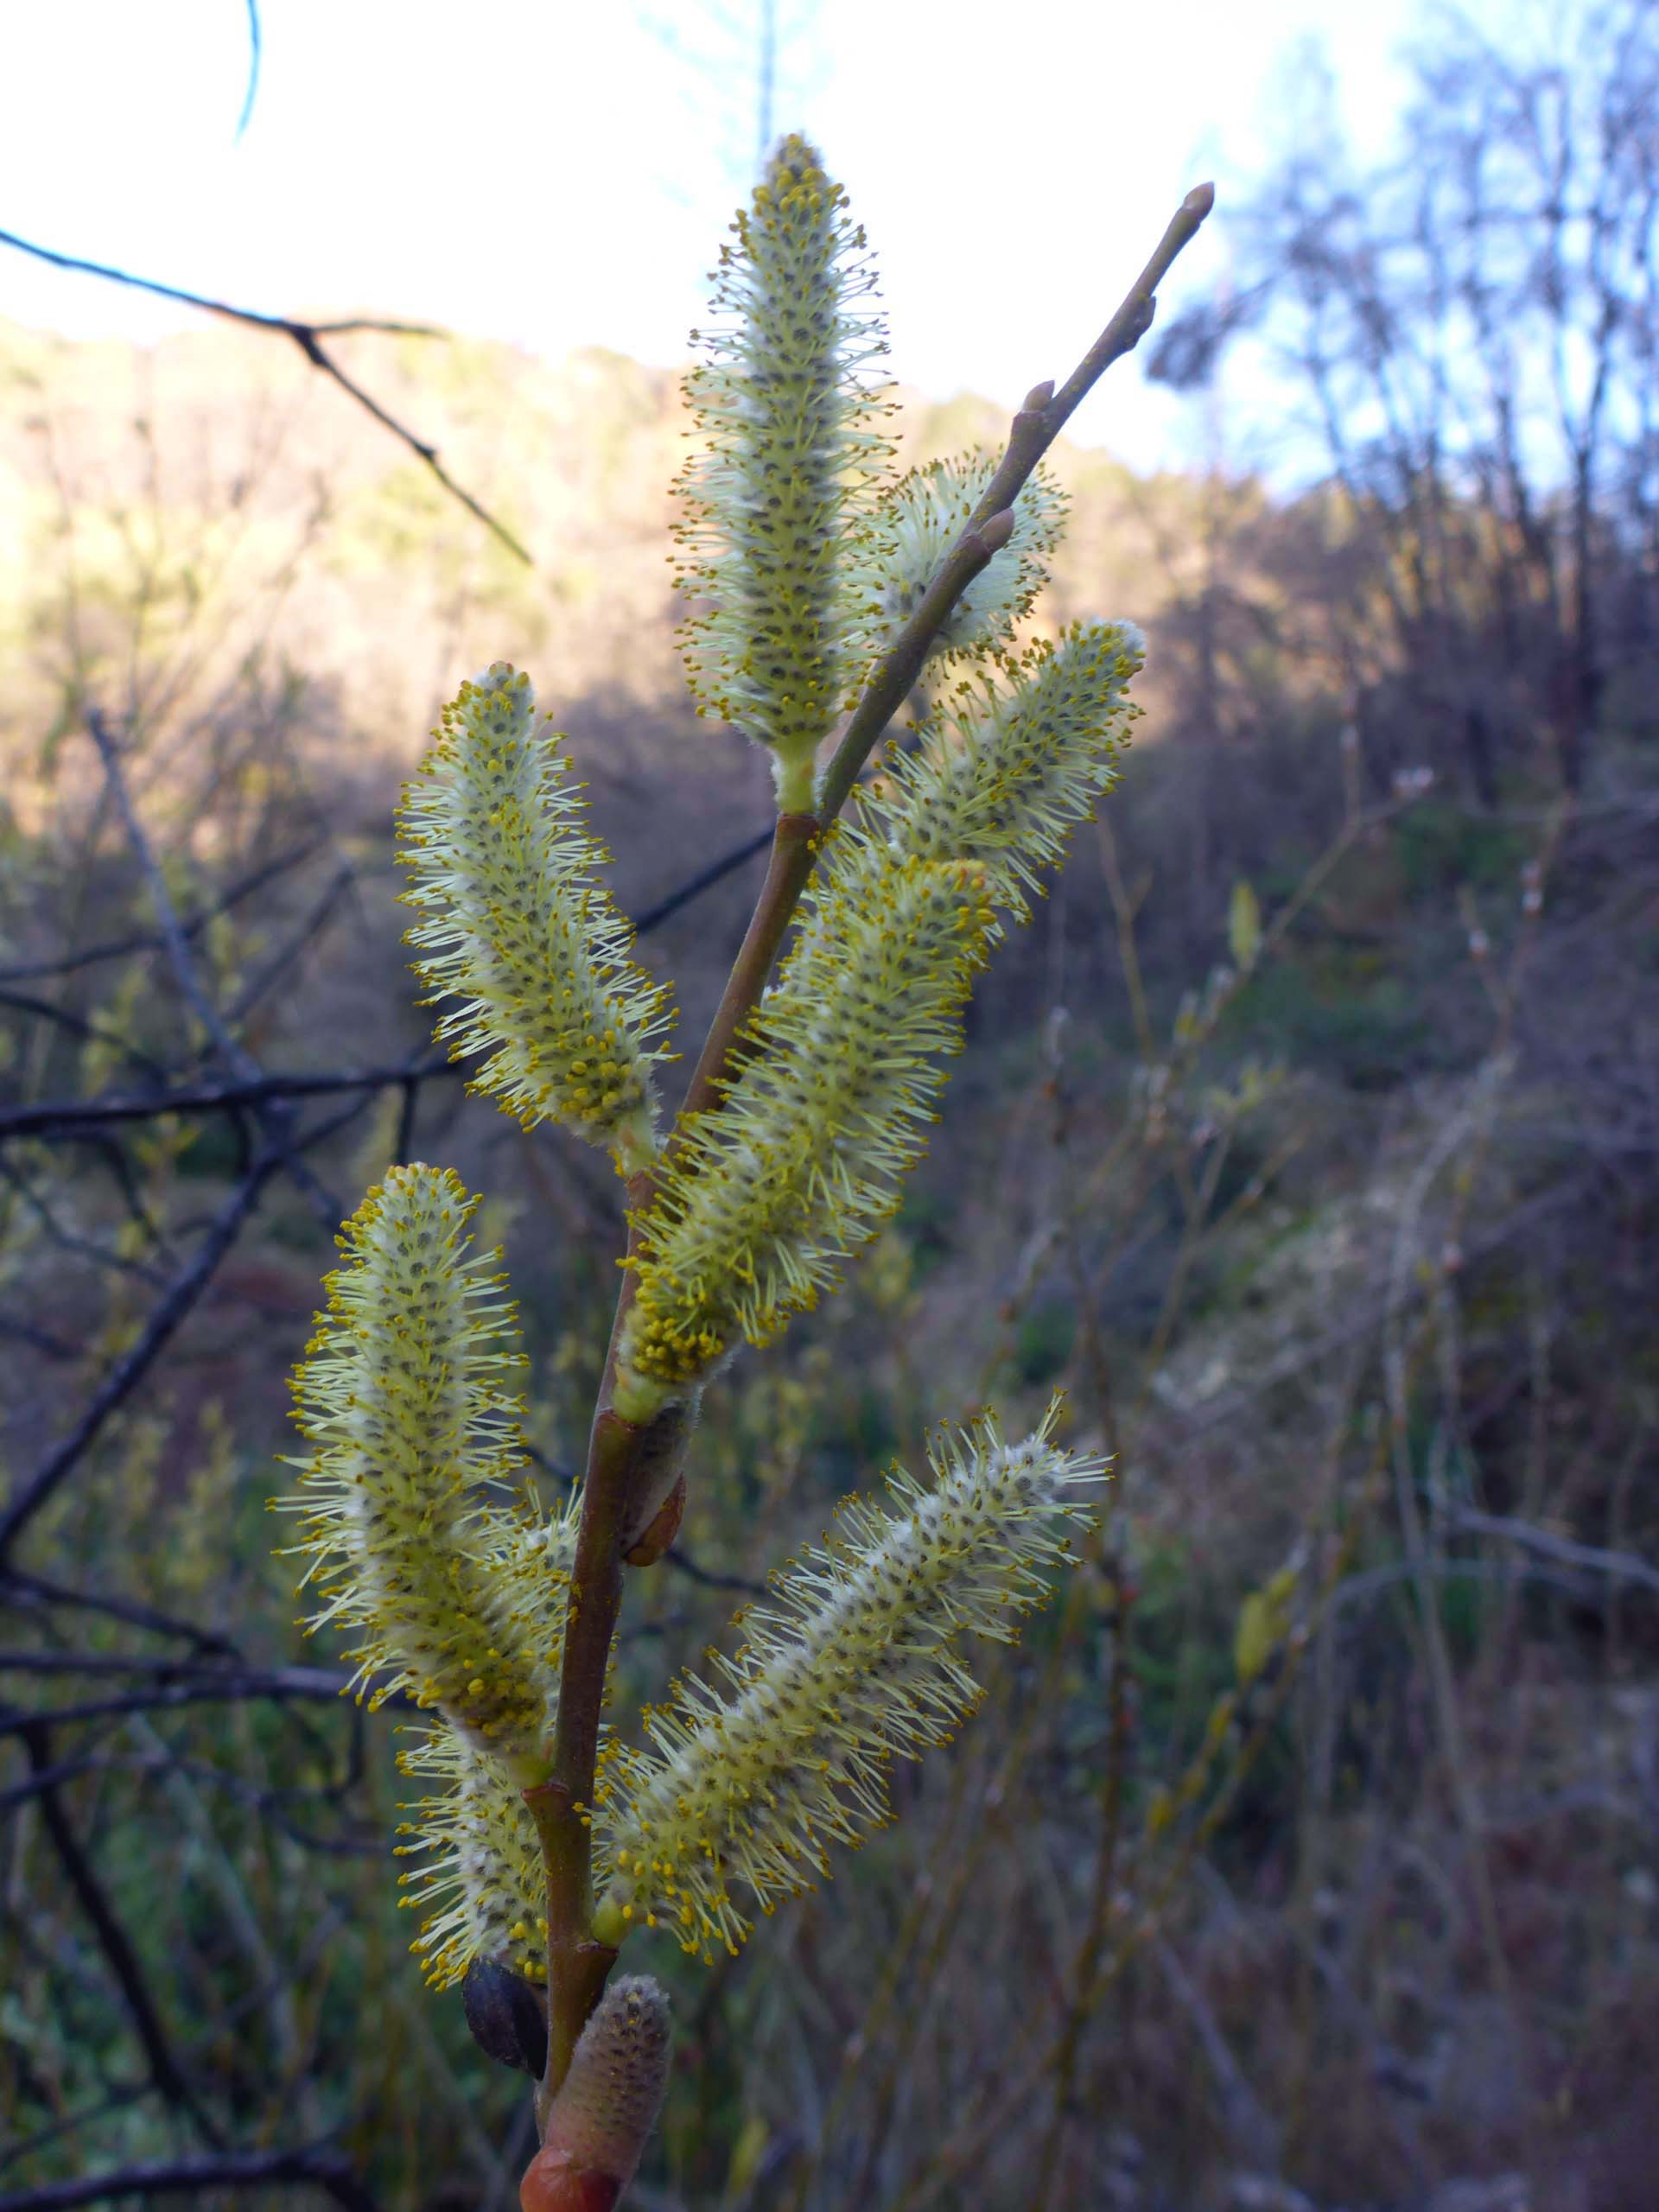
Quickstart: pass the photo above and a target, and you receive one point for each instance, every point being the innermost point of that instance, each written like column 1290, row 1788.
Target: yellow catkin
column 778, row 500
column 401, row 1392
column 515, row 926
column 854, row 1660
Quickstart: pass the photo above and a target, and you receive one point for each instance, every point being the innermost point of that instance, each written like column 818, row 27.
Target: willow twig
column 624, row 1457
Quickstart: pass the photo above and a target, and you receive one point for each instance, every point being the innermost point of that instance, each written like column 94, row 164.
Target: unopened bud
column 664, row 1527
column 508, row 2017
column 995, row 534
column 608, row 2105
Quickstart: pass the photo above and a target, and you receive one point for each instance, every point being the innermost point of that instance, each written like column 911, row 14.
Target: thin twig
column 280, row 961
column 188, row 1287
column 119, row 948
column 228, row 1686
column 78, row 1025
column 34, row 1490
column 714, row 873
column 112, row 1938
column 35, row 1589
column 64, row 1116
column 309, row 337
column 1617, row 1567
column 323, row 2169
column 275, row 1116
column 254, row 56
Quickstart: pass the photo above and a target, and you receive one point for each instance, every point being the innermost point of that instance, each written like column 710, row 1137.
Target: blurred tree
column 1477, row 325
column 734, row 50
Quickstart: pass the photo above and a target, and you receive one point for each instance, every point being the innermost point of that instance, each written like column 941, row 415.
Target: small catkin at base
column 597, row 2128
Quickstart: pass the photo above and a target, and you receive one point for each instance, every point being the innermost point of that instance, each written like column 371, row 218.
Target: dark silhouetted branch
column 255, row 50
column 207, row 1686
column 112, row 1938
column 36, row 1590
column 119, row 948
column 276, row 1116
column 62, row 1116
column 187, row 1287
column 703, row 880
column 78, row 1025
column 309, row 337
column 322, row 2169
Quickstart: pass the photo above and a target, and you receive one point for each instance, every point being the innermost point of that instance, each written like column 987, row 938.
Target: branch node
column 995, row 534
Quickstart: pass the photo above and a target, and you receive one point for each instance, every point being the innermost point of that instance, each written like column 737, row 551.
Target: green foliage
column 1043, row 1340
column 1342, row 1011
column 1442, row 846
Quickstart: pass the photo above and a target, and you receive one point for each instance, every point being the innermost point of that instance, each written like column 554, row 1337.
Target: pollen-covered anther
column 855, row 1662
column 778, row 501
column 517, row 928
column 800, row 1165
column 401, row 1394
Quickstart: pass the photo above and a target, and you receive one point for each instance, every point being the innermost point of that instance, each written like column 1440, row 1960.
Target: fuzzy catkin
column 855, row 1659
column 399, row 1391
column 481, row 1889
column 1012, row 760
column 779, row 504
column 917, row 523
column 800, row 1163
column 607, row 2104
column 515, row 924
column 481, row 1884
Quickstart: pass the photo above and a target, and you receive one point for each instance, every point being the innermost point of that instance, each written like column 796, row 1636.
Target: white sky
column 561, row 174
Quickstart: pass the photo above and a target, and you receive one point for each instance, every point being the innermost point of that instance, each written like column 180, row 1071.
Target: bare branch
column 322, row 2168
column 119, row 947
column 309, row 337
column 205, row 1686
column 36, row 1590
column 188, row 1288
column 112, row 1938
column 65, row 1116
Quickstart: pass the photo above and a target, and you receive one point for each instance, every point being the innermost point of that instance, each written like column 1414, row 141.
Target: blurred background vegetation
column 1303, row 1855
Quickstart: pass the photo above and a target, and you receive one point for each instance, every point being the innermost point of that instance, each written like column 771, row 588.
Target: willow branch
column 794, row 846
column 1035, row 427
column 624, row 1457
column 1046, row 412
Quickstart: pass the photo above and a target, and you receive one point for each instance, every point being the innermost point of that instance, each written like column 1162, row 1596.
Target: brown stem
column 793, row 847
column 898, row 668
column 581, row 1965
column 576, row 1966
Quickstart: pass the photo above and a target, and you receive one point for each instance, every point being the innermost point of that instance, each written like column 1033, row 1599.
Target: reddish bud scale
column 553, row 2183
column 664, row 1527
